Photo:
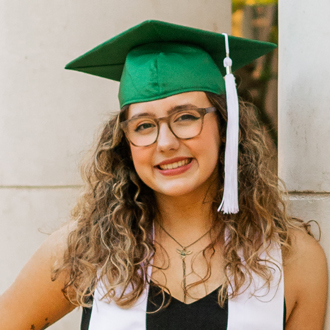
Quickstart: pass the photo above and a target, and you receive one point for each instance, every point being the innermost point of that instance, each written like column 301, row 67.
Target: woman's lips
column 175, row 165
column 174, row 168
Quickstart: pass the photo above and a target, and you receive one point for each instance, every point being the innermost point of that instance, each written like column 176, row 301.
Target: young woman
column 149, row 247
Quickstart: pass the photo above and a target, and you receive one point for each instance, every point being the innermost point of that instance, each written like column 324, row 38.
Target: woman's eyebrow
column 182, row 107
column 143, row 114
column 169, row 112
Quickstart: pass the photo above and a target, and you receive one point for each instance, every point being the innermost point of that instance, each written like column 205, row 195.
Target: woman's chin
column 177, row 190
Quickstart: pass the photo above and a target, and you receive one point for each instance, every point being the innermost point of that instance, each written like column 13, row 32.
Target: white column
column 49, row 116
column 304, row 111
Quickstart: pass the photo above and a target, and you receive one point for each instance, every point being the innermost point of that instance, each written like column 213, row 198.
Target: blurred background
column 257, row 82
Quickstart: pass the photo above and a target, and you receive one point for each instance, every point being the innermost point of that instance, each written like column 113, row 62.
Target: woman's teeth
column 175, row 165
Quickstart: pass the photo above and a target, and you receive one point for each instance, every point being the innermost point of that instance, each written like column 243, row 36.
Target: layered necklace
column 183, row 252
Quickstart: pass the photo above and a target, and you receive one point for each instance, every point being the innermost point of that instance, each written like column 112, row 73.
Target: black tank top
column 204, row 313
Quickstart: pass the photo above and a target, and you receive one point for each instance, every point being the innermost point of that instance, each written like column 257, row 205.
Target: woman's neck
column 186, row 215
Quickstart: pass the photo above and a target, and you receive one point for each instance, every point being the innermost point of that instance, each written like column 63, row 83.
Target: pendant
column 183, row 253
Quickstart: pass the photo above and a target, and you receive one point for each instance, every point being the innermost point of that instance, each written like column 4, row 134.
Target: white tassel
column 229, row 202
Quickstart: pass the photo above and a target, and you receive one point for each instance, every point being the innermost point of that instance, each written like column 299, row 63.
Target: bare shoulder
column 306, row 254
column 305, row 275
column 56, row 243
column 34, row 301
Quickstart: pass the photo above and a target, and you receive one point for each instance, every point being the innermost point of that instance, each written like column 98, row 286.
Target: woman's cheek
column 142, row 162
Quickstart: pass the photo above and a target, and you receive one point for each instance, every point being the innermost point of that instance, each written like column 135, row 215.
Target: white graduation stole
column 251, row 310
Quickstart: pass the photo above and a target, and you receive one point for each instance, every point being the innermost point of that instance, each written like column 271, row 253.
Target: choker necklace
column 183, row 253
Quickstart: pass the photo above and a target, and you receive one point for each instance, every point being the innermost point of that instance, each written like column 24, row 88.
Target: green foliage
column 239, row 4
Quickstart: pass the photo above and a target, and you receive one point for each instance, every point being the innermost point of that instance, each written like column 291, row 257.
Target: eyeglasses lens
column 184, row 124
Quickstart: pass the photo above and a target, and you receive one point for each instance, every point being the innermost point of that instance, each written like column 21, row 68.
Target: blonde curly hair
column 114, row 216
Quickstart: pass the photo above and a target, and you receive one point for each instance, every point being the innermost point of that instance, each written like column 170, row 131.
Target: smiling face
column 173, row 166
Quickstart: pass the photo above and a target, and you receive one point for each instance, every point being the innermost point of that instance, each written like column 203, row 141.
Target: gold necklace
column 183, row 253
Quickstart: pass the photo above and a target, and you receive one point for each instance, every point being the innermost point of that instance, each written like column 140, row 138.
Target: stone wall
column 304, row 111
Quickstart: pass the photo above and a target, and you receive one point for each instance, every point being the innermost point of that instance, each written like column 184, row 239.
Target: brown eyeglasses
column 184, row 124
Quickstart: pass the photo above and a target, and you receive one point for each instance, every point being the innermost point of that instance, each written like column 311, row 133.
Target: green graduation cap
column 155, row 59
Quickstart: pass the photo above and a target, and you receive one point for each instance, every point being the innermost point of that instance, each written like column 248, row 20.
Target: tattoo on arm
column 46, row 325
column 43, row 328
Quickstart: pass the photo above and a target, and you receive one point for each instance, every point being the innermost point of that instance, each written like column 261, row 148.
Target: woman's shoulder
column 58, row 240
column 305, row 276
column 305, row 249
column 55, row 245
column 306, row 259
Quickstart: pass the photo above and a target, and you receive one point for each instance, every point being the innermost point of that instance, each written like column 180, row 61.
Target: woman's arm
column 306, row 280
column 34, row 301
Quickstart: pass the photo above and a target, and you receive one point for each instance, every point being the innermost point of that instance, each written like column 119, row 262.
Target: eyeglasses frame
column 201, row 111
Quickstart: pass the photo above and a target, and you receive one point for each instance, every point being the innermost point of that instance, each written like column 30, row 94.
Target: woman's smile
column 176, row 167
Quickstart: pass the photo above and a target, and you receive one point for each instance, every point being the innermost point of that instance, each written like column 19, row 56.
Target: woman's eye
column 187, row 117
column 144, row 126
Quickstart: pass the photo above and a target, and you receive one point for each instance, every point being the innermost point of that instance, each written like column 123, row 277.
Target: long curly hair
column 112, row 237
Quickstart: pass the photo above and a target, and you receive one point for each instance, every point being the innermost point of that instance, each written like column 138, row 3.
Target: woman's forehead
column 162, row 107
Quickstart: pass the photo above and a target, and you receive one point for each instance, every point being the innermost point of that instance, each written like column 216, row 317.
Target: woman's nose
column 166, row 139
